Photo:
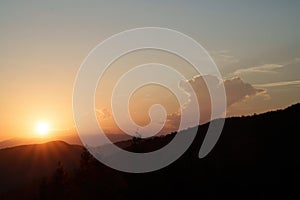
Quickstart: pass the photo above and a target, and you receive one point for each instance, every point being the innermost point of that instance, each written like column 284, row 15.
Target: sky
column 255, row 44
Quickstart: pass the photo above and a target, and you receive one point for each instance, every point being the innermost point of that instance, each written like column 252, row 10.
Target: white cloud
column 266, row 68
column 277, row 84
column 223, row 58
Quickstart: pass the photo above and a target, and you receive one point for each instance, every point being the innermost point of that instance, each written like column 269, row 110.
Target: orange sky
column 256, row 48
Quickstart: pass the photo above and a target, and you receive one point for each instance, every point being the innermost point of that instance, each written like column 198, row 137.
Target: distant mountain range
column 71, row 138
column 256, row 157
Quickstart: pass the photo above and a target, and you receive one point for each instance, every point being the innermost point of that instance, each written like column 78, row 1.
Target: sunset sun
column 42, row 128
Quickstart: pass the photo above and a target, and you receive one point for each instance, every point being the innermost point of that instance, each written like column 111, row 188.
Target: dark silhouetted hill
column 256, row 157
column 70, row 138
column 23, row 164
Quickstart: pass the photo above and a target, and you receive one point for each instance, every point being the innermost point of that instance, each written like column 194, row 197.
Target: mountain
column 19, row 141
column 256, row 157
column 23, row 164
column 70, row 138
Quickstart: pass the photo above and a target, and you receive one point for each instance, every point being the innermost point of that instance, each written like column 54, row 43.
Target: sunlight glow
column 42, row 128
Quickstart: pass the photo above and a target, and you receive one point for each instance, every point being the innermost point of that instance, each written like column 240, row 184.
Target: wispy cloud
column 103, row 113
column 277, row 84
column 223, row 57
column 266, row 68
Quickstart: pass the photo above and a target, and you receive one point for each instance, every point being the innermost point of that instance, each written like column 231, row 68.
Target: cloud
column 172, row 122
column 269, row 68
column 103, row 113
column 236, row 90
column 266, row 68
column 223, row 58
column 277, row 84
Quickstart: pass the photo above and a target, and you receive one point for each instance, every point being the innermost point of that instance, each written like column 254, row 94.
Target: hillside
column 256, row 157
column 70, row 138
column 26, row 163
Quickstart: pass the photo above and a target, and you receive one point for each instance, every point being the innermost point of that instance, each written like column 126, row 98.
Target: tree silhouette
column 59, row 180
column 85, row 159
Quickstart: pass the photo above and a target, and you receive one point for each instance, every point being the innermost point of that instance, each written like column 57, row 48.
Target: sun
column 42, row 128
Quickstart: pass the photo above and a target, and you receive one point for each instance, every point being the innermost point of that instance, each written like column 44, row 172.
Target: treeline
column 256, row 157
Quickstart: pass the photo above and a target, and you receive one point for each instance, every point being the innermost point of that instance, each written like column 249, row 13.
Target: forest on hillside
column 256, row 157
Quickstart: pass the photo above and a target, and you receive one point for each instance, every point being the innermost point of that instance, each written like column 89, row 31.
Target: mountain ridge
column 257, row 155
